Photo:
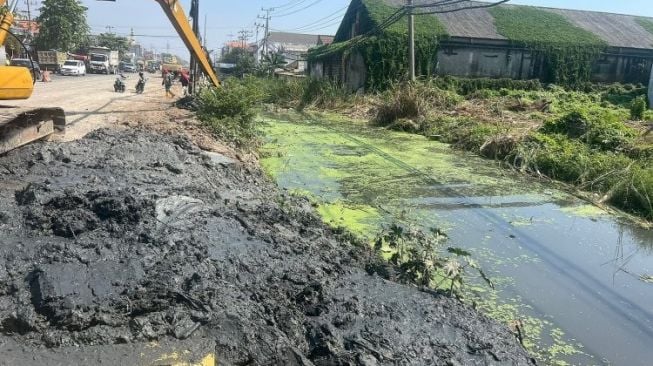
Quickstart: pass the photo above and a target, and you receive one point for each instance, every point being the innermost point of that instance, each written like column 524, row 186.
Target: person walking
column 167, row 83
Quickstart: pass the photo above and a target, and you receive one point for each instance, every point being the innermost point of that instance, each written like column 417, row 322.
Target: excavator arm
column 177, row 16
column 175, row 13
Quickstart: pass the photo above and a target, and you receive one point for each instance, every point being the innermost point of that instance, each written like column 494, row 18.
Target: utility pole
column 194, row 72
column 109, row 29
column 267, row 28
column 244, row 36
column 411, row 40
column 204, row 38
column 258, row 49
column 29, row 18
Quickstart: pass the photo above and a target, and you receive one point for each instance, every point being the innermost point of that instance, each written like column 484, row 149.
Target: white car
column 73, row 67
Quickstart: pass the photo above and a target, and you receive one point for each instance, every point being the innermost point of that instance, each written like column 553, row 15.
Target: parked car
column 33, row 66
column 128, row 67
column 73, row 67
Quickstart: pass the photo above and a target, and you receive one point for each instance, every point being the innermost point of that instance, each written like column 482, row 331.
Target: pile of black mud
column 127, row 237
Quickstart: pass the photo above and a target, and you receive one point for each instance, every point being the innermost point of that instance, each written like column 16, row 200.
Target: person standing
column 185, row 81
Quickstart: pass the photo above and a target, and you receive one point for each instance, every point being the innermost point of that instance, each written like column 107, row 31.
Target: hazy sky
column 226, row 17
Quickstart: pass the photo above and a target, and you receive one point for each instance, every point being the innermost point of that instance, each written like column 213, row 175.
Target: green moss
column 646, row 23
column 567, row 51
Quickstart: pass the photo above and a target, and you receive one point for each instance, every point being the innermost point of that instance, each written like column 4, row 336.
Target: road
column 90, row 102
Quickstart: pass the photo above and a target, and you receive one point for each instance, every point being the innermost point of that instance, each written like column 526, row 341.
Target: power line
column 289, row 4
column 321, row 19
column 299, row 10
column 489, row 5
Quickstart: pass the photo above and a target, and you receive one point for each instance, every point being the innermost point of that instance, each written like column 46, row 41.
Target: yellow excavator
column 20, row 126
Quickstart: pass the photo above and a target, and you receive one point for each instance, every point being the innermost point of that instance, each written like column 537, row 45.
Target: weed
column 413, row 100
column 229, row 111
column 637, row 108
column 421, row 259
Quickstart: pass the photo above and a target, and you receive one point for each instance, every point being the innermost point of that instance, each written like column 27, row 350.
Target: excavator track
column 22, row 125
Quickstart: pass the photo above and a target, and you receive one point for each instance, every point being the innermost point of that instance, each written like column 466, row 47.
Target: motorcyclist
column 119, row 85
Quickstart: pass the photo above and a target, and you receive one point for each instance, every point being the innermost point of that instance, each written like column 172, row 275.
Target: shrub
column 599, row 128
column 229, row 111
column 637, row 108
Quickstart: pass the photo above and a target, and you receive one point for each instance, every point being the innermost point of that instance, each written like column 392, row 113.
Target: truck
column 103, row 60
column 170, row 63
column 51, row 60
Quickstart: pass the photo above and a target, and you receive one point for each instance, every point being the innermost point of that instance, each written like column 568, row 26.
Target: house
column 294, row 47
column 487, row 42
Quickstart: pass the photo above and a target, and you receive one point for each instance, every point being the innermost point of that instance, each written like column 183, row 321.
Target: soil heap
column 127, row 237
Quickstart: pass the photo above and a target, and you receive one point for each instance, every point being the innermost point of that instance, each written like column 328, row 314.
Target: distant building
column 294, row 47
column 474, row 47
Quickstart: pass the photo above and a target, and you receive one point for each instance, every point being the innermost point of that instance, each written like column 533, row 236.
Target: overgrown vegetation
column 421, row 259
column 589, row 139
column 229, row 111
column 566, row 51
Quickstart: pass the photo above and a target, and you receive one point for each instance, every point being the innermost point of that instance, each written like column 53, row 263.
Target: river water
column 569, row 271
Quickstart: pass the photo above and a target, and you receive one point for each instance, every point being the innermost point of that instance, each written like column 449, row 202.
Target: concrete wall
column 316, row 69
column 356, row 72
column 626, row 68
column 479, row 61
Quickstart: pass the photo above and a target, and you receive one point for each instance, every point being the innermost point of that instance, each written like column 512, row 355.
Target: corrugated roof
column 617, row 30
column 293, row 38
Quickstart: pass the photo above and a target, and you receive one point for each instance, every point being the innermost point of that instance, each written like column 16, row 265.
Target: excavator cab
column 16, row 82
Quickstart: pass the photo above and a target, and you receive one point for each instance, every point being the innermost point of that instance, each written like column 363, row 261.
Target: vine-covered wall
column 566, row 51
column 385, row 52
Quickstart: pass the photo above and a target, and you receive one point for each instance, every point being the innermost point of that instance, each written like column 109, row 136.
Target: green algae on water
column 359, row 219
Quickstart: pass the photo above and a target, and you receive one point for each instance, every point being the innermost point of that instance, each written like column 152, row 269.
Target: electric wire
column 298, row 10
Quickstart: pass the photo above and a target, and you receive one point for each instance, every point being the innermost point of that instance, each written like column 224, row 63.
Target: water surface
column 569, row 271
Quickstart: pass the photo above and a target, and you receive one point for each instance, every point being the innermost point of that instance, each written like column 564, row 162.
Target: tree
column 113, row 42
column 234, row 55
column 245, row 64
column 62, row 25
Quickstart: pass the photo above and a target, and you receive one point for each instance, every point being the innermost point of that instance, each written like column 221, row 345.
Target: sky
column 225, row 18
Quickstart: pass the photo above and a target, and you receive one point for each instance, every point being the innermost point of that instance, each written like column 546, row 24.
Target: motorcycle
column 119, row 85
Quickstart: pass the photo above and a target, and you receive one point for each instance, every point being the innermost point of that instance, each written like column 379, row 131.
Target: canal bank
column 567, row 271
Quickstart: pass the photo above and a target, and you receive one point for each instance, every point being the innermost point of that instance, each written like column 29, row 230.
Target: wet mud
column 126, row 237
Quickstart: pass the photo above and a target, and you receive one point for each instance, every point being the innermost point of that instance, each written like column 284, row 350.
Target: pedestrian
column 167, row 83
column 185, row 81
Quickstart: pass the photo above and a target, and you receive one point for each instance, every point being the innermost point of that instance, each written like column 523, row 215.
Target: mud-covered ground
column 128, row 237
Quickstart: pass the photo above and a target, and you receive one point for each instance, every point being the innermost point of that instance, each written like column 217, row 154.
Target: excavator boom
column 177, row 16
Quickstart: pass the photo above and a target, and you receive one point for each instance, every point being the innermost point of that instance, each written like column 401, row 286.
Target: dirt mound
column 128, row 237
